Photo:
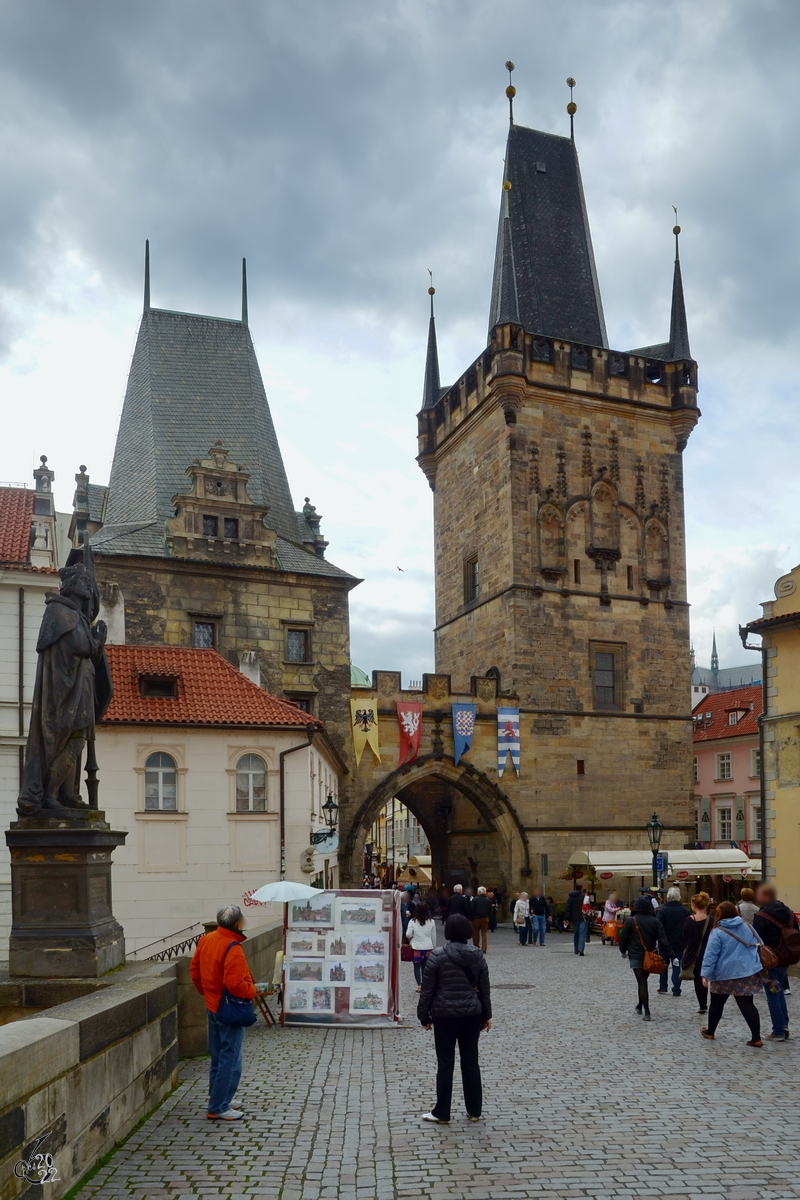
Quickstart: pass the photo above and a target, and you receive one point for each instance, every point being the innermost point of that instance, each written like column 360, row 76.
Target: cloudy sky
column 346, row 146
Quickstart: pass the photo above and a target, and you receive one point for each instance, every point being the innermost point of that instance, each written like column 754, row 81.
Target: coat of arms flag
column 507, row 738
column 364, row 723
column 409, row 720
column 463, row 728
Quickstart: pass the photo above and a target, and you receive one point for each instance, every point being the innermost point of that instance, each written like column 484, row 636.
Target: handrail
column 173, row 950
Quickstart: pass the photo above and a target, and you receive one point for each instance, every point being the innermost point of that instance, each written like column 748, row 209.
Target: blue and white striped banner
column 507, row 738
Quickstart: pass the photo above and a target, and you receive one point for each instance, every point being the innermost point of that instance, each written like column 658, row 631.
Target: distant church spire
column 147, row 275
column 714, row 655
column 432, row 386
column 244, row 291
column 678, row 327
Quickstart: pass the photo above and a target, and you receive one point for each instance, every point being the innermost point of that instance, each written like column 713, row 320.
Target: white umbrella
column 283, row 891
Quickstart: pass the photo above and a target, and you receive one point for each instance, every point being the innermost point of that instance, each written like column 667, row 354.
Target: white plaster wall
column 180, row 868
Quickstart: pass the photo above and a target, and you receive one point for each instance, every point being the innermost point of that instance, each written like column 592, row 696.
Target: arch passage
column 472, row 827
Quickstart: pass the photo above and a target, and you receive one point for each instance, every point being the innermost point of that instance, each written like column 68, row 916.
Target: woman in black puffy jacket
column 455, row 1002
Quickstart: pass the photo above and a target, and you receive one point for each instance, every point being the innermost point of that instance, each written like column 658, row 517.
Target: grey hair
column 229, row 916
column 481, row 891
column 674, row 893
column 458, row 888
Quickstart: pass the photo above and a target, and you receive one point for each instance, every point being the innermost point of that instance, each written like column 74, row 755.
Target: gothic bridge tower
column 556, row 468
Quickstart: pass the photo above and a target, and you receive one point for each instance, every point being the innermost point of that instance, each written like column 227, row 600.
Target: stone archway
column 471, row 825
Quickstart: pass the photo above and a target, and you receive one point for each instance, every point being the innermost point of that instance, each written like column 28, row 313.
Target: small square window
column 581, row 766
column 158, row 687
column 205, row 635
column 210, row 527
column 232, row 528
column 303, row 702
column 297, row 645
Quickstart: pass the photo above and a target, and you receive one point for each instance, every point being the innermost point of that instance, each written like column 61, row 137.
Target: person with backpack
column 641, row 938
column 674, row 916
column 218, row 970
column 776, row 925
column 480, row 915
column 732, row 967
column 696, row 930
column 456, row 1003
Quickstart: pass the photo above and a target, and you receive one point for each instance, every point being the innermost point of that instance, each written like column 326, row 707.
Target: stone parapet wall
column 83, row 1073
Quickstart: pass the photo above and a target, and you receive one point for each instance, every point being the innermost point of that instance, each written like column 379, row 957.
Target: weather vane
column 511, row 92
column 676, row 230
column 572, row 107
column 431, row 289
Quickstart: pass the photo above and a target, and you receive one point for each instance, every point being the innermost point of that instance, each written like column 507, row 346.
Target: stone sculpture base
column 62, row 924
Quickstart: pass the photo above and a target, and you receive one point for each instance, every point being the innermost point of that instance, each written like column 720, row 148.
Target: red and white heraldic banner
column 409, row 719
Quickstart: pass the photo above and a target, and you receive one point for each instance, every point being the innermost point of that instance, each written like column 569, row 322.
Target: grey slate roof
column 194, row 379
column 96, row 495
column 728, row 677
column 432, row 389
column 548, row 242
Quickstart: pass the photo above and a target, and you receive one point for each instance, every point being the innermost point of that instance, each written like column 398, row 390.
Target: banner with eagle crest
column 364, row 723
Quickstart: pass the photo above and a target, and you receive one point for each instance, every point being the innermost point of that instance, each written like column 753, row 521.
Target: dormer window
column 735, row 716
column 158, row 687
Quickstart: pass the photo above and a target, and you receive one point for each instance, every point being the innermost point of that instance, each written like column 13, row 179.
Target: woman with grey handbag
column 695, row 938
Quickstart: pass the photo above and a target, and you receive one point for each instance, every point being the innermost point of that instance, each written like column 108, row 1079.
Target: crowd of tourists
column 741, row 950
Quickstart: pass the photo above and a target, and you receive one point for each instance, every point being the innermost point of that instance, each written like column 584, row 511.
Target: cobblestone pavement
column 582, row 1098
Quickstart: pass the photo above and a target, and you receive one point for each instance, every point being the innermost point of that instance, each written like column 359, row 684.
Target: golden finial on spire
column 572, row 107
column 511, row 92
column 431, row 289
column 676, row 230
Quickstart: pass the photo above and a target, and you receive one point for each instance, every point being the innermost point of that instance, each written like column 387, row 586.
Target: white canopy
column 640, row 862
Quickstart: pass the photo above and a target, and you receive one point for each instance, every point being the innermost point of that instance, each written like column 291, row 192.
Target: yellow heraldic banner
column 364, row 721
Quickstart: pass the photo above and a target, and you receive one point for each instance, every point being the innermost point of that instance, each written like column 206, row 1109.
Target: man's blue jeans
column 539, row 927
column 579, row 935
column 663, row 980
column 776, row 1001
column 225, row 1048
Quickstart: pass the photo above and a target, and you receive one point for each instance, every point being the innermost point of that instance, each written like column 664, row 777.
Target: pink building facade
column 726, row 769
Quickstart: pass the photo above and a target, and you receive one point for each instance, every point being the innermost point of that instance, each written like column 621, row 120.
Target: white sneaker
column 433, row 1119
column 230, row 1114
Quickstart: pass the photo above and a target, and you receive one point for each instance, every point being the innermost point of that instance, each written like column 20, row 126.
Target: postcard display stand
column 342, row 959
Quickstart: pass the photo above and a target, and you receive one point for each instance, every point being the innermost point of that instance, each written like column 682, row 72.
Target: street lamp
column 654, row 832
column 330, row 811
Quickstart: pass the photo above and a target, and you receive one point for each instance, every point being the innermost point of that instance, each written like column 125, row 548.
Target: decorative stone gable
column 216, row 519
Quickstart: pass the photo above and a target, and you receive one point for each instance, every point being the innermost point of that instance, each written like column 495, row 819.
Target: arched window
column 251, row 784
column 160, row 783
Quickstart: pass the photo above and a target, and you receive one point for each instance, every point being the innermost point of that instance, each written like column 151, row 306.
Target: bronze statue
column 72, row 691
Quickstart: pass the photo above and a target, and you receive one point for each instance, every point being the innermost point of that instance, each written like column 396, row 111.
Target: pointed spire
column 507, row 300
column 714, row 655
column 244, row 291
column 147, row 275
column 432, row 386
column 678, row 327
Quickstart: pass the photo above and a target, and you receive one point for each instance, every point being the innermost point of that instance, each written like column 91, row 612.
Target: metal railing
column 175, row 948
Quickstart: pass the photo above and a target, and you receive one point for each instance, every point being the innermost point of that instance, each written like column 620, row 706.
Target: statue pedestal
column 62, row 925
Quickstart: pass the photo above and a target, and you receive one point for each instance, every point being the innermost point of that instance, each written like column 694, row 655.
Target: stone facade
column 252, row 610
column 514, row 831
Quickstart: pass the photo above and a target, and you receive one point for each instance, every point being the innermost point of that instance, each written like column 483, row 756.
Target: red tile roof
column 210, row 691
column 16, row 510
column 720, row 705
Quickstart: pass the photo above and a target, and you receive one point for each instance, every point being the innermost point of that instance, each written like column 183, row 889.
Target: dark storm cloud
column 346, row 146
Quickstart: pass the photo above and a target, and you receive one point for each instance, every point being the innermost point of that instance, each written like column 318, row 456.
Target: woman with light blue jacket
column 732, row 967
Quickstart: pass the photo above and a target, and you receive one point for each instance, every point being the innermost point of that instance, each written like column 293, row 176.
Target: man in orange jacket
column 215, row 968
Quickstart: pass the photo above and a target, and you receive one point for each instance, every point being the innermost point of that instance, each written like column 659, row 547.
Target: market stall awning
column 640, row 862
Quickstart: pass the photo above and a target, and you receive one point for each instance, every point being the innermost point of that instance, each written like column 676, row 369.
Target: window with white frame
column 251, row 784
column 755, row 764
column 724, row 770
column 724, row 823
column 696, row 769
column 755, row 822
column 160, row 783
